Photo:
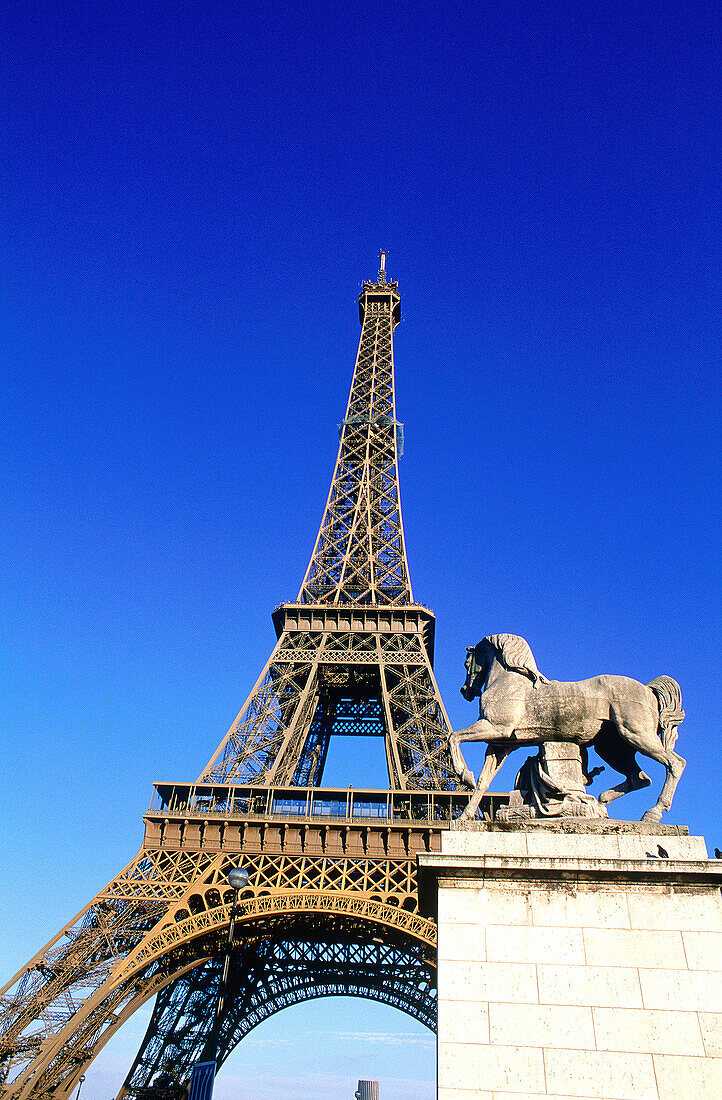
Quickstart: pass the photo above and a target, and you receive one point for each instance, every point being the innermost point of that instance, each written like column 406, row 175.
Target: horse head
column 478, row 665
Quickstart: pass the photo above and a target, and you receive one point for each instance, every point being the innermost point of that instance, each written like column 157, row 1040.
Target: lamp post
column 80, row 1085
column 203, row 1076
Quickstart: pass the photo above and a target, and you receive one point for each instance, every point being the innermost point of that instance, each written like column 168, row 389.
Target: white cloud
column 401, row 1038
column 267, row 1041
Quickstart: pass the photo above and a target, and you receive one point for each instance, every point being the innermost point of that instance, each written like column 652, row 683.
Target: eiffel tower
column 331, row 905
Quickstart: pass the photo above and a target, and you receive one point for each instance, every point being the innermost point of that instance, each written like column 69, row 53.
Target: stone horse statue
column 616, row 715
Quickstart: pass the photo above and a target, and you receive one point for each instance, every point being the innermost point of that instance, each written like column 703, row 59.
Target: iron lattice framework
column 331, row 906
column 268, row 974
column 359, row 557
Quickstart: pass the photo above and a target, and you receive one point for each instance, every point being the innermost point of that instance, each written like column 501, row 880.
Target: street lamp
column 238, row 879
column 204, row 1073
column 80, row 1085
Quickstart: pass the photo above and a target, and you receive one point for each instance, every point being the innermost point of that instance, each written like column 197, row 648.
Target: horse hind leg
column 635, row 782
column 669, row 701
column 641, row 740
column 622, row 757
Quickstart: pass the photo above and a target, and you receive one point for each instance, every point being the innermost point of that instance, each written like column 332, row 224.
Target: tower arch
column 274, row 967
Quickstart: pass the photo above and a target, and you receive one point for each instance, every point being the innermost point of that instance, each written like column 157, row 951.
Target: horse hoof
column 468, row 778
column 652, row 816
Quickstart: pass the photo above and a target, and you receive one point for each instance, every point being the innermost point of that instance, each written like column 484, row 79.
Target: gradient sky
column 192, row 195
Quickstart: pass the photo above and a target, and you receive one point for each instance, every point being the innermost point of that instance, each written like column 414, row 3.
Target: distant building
column 367, row 1090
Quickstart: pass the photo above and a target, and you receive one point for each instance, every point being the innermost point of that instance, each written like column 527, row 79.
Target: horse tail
column 669, row 701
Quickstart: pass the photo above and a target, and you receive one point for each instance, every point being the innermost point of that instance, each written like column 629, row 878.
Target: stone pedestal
column 577, row 960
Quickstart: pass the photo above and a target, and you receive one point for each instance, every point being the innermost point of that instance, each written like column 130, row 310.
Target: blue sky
column 191, row 197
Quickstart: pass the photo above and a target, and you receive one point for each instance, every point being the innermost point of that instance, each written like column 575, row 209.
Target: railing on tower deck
column 315, row 803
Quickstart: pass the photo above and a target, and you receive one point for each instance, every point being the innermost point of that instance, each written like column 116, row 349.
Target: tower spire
column 359, row 556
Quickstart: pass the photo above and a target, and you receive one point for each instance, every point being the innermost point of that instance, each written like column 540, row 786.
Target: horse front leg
column 495, row 757
column 457, row 759
column 479, row 731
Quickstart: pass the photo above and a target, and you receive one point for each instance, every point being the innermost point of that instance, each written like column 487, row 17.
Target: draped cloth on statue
column 551, row 784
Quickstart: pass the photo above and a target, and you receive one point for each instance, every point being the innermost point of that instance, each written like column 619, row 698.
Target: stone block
column 463, row 1022
column 553, row 945
column 633, row 846
column 688, row 990
column 457, row 842
column 459, row 905
column 583, row 845
column 703, row 950
column 683, row 910
column 497, row 1068
column 625, row 947
column 495, row 905
column 579, row 907
column 685, row 1078
column 600, row 1074
column 646, row 1031
column 541, row 1026
column 459, row 980
column 462, row 941
column 589, row 985
column 488, row 981
column 711, row 1025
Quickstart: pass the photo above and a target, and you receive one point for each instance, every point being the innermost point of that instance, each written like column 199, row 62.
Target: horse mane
column 515, row 655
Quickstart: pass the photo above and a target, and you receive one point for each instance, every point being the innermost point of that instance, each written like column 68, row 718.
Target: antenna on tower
column 382, row 265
